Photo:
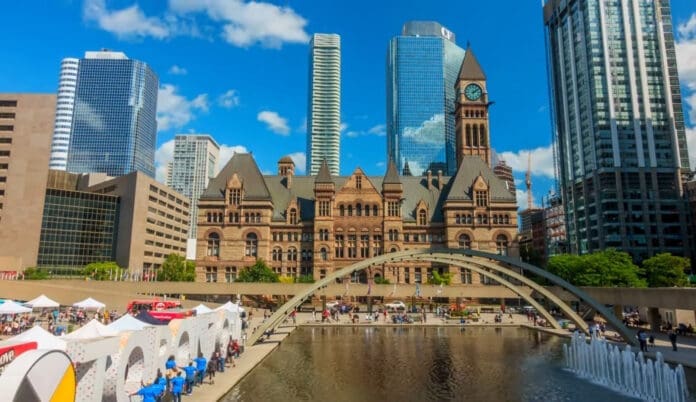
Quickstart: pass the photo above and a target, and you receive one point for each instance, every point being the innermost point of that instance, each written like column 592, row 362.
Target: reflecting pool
column 418, row 364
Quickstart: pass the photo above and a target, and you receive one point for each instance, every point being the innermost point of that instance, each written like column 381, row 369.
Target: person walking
column 201, row 365
column 673, row 339
column 190, row 377
column 177, row 387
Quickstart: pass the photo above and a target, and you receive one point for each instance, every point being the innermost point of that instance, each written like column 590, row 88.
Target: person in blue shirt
column 162, row 383
column 177, row 386
column 170, row 364
column 149, row 393
column 190, row 377
column 201, row 364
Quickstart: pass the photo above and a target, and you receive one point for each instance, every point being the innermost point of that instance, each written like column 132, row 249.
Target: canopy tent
column 229, row 306
column 128, row 323
column 144, row 316
column 10, row 307
column 202, row 309
column 43, row 338
column 89, row 304
column 42, row 302
column 93, row 329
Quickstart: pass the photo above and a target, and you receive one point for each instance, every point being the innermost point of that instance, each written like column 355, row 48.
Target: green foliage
column 607, row 268
column 666, row 270
column 175, row 268
column 379, row 280
column 102, row 271
column 440, row 279
column 305, row 279
column 259, row 272
column 35, row 274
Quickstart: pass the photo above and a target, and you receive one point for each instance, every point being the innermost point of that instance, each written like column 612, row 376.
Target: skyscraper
column 422, row 67
column 324, row 114
column 113, row 127
column 194, row 162
column 64, row 113
column 618, row 125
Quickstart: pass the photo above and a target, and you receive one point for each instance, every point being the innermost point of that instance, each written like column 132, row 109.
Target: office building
column 113, row 127
column 504, row 172
column 65, row 105
column 423, row 64
column 324, row 114
column 26, row 129
column 555, row 226
column 194, row 162
column 618, row 125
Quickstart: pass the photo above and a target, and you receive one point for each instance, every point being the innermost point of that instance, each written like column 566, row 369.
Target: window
column 341, row 210
column 393, row 235
column 323, row 234
column 358, row 210
column 421, row 217
column 393, row 208
column 350, row 210
column 211, row 274
column 340, row 243
column 277, row 254
column 407, row 275
column 8, row 103
column 5, row 140
column 324, row 254
column 235, row 196
column 375, row 210
column 292, row 254
column 364, row 246
column 230, row 274
column 506, row 220
column 418, row 276
column 250, row 249
column 465, row 275
column 293, row 216
column 352, row 246
column 213, row 245
column 324, row 208
column 4, row 153
column 481, row 198
column 234, row 217
column 501, row 244
column 358, row 182
column 464, row 241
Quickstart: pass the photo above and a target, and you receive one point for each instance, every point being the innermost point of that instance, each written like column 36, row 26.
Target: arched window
column 458, row 219
column 501, row 244
column 495, row 219
column 342, row 210
column 468, row 135
column 293, row 216
column 292, row 254
column 350, row 210
column 479, row 219
column 367, row 210
column 475, row 135
column 464, row 241
column 214, row 245
column 469, row 220
column 251, row 245
column 507, row 219
column 482, row 133
column 375, row 210
column 324, row 254
column 421, row 217
column 358, row 210
column 277, row 254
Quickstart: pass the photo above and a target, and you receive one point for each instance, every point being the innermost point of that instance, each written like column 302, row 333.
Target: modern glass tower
column 114, row 125
column 618, row 124
column 324, row 114
column 422, row 67
column 193, row 165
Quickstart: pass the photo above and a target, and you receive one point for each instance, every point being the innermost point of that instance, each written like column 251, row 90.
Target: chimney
column 440, row 184
column 430, row 179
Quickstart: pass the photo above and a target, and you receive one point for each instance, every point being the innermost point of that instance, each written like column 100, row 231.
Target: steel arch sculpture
column 472, row 259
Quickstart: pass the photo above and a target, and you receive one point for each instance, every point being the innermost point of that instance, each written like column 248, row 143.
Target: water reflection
column 416, row 364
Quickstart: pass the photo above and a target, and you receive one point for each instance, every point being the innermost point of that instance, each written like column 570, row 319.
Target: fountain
column 624, row 370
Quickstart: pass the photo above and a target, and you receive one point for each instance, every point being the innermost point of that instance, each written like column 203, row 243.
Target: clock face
column 472, row 92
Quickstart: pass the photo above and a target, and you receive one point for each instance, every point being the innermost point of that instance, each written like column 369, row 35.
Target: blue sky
column 238, row 70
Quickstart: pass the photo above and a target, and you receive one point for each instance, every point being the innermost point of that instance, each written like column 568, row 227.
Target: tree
column 259, row 272
column 666, row 270
column 35, row 274
column 606, row 268
column 176, row 268
column 440, row 279
column 102, row 270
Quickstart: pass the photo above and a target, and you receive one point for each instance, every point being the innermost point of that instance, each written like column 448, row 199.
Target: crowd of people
column 56, row 320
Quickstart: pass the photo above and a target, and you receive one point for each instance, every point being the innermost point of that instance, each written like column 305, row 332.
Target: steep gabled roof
column 469, row 170
column 323, row 175
column 392, row 176
column 471, row 69
column 245, row 167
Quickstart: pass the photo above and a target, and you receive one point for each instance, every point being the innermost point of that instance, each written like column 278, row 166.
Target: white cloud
column 175, row 110
column 300, row 159
column 686, row 62
column 378, row 130
column 303, row 127
column 343, row 127
column 163, row 155
column 430, row 131
column 274, row 122
column 687, row 30
column 129, row 22
column 247, row 23
column 226, row 153
column 229, row 99
column 176, row 70
column 542, row 160
column 522, row 199
column 380, row 164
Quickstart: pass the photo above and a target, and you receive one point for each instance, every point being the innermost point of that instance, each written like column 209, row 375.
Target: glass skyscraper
column 618, row 124
column 324, row 114
column 422, row 68
column 114, row 123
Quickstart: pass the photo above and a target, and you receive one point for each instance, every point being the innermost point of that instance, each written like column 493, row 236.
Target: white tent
column 128, row 323
column 93, row 329
column 42, row 302
column 229, row 306
column 202, row 309
column 90, row 304
column 10, row 307
column 43, row 338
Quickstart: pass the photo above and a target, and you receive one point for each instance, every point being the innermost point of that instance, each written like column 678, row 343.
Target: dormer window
column 358, row 182
column 422, row 217
column 293, row 216
column 235, row 196
column 481, row 198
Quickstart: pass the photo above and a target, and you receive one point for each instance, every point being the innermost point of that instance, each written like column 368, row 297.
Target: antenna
column 528, row 181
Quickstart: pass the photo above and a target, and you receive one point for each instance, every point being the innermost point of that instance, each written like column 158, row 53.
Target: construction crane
column 528, row 181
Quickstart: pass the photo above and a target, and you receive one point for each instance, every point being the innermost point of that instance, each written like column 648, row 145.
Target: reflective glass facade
column 618, row 124
column 114, row 124
column 78, row 228
column 422, row 68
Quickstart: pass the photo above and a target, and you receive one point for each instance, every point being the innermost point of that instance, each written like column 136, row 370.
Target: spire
column 407, row 170
column 391, row 177
column 471, row 69
column 324, row 175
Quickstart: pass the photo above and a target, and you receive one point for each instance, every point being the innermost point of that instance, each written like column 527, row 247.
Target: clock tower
column 471, row 111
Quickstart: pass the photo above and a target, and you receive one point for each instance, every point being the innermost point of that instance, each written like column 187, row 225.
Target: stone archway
column 486, row 263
